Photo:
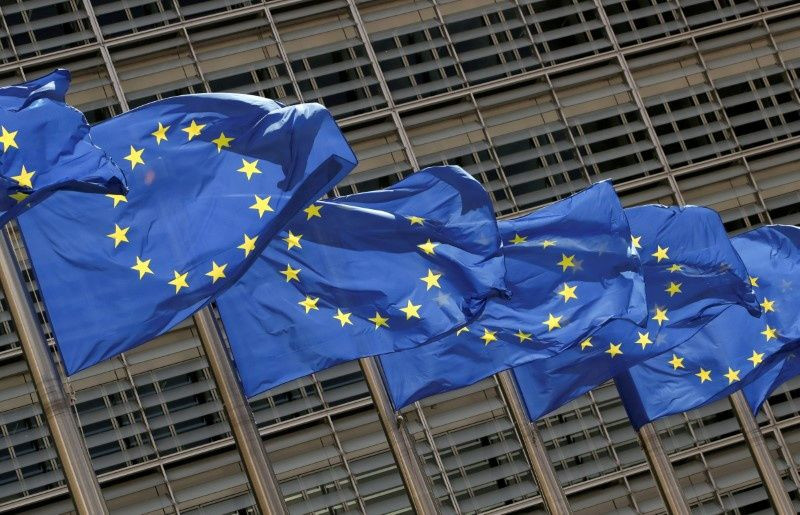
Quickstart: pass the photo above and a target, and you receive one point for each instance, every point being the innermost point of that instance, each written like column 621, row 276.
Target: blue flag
column 46, row 147
column 365, row 274
column 731, row 350
column 691, row 273
column 571, row 269
column 212, row 179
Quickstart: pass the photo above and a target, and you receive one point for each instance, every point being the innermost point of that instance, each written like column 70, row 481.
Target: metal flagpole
column 553, row 495
column 758, row 448
column 419, row 488
column 70, row 446
column 662, row 471
column 245, row 433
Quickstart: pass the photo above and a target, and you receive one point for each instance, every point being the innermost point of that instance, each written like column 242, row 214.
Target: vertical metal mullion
column 64, row 429
column 423, row 420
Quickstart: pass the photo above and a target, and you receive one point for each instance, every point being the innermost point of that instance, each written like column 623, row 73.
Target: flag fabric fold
column 735, row 348
column 212, row 179
column 732, row 350
column 692, row 274
column 365, row 274
column 46, row 146
column 570, row 268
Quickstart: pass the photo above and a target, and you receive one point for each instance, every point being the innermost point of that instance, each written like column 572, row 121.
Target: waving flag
column 731, row 350
column 46, row 147
column 691, row 273
column 212, row 179
column 365, row 274
column 570, row 268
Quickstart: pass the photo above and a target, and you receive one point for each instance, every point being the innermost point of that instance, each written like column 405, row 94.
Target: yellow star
column 416, row 220
column 586, row 343
column 566, row 262
column 635, row 241
column 675, row 268
column 431, row 279
column 428, row 247
column 676, row 362
column 523, row 336
column 517, row 239
column 661, row 315
column 464, row 329
column 309, row 303
column 614, row 349
column 768, row 305
column 411, row 310
column 262, row 205
column 135, row 157
column 552, row 322
column 160, row 133
column 379, row 321
column 548, row 243
column 19, row 196
column 673, row 288
column 221, row 142
column 249, row 168
column 704, row 375
column 732, row 375
column 769, row 333
column 117, row 198
column 292, row 274
column 24, row 178
column 217, row 271
column 342, row 317
column 7, row 139
column 568, row 292
column 756, row 358
column 753, row 281
column 644, row 339
column 312, row 211
column 143, row 267
column 119, row 235
column 179, row 281
column 249, row 245
column 193, row 130
column 660, row 254
column 488, row 336
column 293, row 240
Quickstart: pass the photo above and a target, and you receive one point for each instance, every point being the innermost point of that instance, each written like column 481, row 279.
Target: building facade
column 677, row 101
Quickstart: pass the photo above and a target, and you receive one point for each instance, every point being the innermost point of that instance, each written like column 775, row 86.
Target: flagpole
column 68, row 439
column 245, row 432
column 662, row 471
column 552, row 494
column 758, row 449
column 418, row 486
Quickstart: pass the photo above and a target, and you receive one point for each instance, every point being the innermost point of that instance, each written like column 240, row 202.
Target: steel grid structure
column 691, row 101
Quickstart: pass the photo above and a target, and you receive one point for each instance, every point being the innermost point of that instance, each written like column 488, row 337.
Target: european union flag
column 212, row 179
column 365, row 274
column 571, row 269
column 730, row 350
column 47, row 147
column 691, row 274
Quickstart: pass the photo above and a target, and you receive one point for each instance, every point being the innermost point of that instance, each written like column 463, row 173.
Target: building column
column 418, row 486
column 662, row 471
column 554, row 498
column 758, row 448
column 64, row 429
column 243, row 426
